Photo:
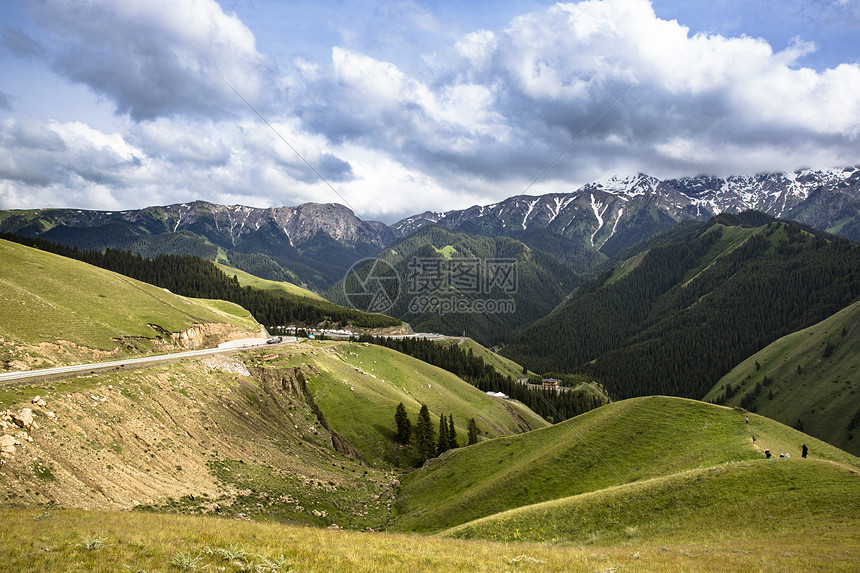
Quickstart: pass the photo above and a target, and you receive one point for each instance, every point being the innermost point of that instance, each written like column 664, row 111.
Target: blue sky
column 405, row 106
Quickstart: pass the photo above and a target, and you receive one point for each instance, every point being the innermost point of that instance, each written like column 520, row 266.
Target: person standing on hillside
column 767, row 454
column 804, row 452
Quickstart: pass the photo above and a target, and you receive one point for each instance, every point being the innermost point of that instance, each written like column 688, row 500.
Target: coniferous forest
column 674, row 317
column 192, row 276
column 549, row 404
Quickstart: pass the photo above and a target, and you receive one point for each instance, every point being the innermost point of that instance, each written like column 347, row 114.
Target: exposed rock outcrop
column 7, row 445
column 24, row 419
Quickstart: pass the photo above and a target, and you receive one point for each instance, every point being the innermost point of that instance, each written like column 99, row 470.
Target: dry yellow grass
column 35, row 540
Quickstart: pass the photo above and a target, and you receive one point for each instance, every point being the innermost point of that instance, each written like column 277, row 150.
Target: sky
column 397, row 107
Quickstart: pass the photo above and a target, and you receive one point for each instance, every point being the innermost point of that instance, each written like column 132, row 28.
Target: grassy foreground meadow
column 760, row 499
column 74, row 541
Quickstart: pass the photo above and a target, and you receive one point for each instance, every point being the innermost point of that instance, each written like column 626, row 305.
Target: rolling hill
column 504, row 366
column 620, row 443
column 247, row 279
column 277, row 305
column 58, row 311
column 707, row 505
column 807, row 379
column 358, row 387
column 300, row 433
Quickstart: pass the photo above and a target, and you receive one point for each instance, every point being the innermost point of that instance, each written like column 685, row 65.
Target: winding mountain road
column 9, row 378
column 61, row 371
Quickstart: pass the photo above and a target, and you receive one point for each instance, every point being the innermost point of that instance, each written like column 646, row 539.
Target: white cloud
column 478, row 122
column 154, row 57
column 477, row 47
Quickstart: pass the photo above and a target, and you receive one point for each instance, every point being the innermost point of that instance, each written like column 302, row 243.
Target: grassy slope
column 201, row 436
column 45, row 297
column 616, row 444
column 358, row 388
column 32, row 540
column 217, row 435
column 505, row 366
column 759, row 499
column 731, row 238
column 807, row 386
column 247, row 279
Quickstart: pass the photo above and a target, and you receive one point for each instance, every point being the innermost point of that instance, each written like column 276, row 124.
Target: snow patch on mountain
column 529, row 212
column 599, row 209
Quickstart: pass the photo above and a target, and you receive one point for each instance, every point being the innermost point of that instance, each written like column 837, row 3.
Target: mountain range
column 619, row 212
column 315, row 244
column 310, row 244
column 676, row 316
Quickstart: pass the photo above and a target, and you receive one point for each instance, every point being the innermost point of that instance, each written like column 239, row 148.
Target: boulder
column 39, row 401
column 7, row 445
column 24, row 418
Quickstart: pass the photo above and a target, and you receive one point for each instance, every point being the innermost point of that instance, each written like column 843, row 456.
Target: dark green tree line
column 552, row 406
column 192, row 276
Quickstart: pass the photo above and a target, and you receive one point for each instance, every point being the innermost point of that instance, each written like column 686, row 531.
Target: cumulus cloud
column 486, row 114
column 503, row 103
column 162, row 161
column 153, row 57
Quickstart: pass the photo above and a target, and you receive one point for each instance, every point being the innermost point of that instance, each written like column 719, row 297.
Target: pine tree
column 452, row 433
column 473, row 431
column 442, row 445
column 404, row 426
column 424, row 435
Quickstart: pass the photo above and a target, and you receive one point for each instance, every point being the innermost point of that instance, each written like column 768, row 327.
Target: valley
column 419, row 286
column 287, row 457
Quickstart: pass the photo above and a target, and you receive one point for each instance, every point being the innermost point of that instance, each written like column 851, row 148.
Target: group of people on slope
column 768, row 455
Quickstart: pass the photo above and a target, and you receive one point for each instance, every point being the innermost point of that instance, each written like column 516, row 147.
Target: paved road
column 7, row 377
column 62, row 370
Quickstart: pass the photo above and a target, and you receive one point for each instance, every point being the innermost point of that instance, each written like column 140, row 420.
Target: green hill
column 358, row 387
column 617, row 444
column 677, row 316
column 807, row 379
column 299, row 433
column 754, row 500
column 504, row 366
column 247, row 279
column 47, row 298
column 220, row 435
column 488, row 308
